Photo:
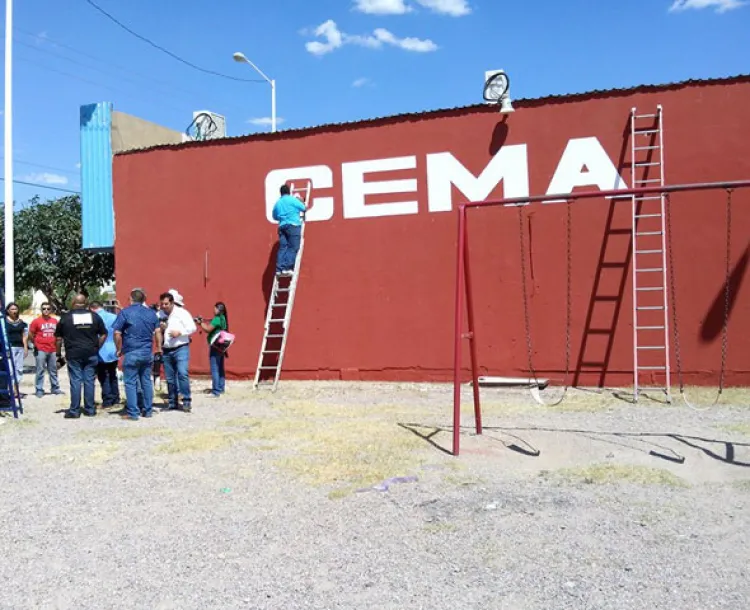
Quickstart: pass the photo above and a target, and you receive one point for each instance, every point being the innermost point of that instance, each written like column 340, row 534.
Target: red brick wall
column 376, row 295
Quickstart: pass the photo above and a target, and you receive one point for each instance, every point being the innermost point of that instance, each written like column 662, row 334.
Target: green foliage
column 48, row 237
column 24, row 300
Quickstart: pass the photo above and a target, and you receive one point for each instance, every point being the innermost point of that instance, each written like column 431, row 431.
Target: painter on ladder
column 287, row 211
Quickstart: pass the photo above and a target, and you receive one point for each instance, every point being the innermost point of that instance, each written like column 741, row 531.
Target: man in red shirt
column 42, row 334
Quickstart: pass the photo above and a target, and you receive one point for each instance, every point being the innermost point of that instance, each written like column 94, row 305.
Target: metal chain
column 672, row 292
column 727, row 292
column 568, row 295
column 569, row 281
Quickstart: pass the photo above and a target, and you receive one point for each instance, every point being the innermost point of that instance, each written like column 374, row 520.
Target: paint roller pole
column 9, row 249
column 461, row 251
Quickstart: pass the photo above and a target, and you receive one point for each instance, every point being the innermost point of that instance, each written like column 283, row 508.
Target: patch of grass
column 513, row 401
column 215, row 440
column 123, row 434
column 312, row 409
column 270, row 428
column 11, row 423
column 463, row 480
column 743, row 428
column 439, row 528
column 242, row 422
column 736, row 398
column 342, row 448
column 207, row 440
column 360, row 452
column 93, row 453
column 340, row 493
column 607, row 474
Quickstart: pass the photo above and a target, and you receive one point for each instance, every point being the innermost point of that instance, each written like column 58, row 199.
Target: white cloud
column 265, row 121
column 454, row 8
column 408, row 44
column 78, row 166
column 382, row 7
column 361, row 82
column 46, row 178
column 721, row 6
column 335, row 39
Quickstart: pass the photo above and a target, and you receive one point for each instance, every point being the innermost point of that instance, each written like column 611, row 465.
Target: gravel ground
column 593, row 504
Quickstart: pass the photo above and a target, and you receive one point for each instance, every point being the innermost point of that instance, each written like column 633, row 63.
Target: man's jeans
column 107, row 374
column 46, row 360
column 289, row 241
column 82, row 371
column 216, row 358
column 136, row 372
column 176, row 371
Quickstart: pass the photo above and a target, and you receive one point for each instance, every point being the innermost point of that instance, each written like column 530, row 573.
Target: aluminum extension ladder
column 10, row 394
column 279, row 314
column 650, row 303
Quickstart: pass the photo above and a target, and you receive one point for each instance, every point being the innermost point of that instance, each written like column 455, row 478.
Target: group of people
column 144, row 337
column 94, row 341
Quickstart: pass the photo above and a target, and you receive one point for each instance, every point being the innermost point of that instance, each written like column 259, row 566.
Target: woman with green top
column 216, row 356
column 17, row 332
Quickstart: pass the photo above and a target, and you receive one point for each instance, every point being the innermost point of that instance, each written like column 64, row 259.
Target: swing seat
column 523, row 382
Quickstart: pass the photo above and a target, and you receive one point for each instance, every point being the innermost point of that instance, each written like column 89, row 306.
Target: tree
column 49, row 257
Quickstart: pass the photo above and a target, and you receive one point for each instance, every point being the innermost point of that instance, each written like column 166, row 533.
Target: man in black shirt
column 83, row 333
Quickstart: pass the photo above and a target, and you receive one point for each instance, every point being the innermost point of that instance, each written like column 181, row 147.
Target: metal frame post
column 463, row 283
column 471, row 334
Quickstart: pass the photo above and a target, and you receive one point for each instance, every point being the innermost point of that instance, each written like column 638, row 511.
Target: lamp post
column 240, row 57
column 9, row 251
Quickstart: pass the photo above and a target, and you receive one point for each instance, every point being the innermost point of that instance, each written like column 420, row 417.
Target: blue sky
column 338, row 60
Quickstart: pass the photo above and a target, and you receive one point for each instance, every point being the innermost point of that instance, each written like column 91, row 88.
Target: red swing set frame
column 464, row 286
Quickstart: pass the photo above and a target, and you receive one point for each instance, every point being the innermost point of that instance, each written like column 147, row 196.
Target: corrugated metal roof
column 412, row 116
column 96, row 176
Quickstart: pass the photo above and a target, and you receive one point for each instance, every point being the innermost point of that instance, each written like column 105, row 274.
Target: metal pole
column 9, row 250
column 273, row 106
column 471, row 335
column 460, row 266
column 614, row 194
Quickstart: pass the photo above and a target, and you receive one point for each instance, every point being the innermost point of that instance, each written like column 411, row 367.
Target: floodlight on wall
column 206, row 125
column 497, row 90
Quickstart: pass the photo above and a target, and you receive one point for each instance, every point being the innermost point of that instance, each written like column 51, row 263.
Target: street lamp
column 240, row 57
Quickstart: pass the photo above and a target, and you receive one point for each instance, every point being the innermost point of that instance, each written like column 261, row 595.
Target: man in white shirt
column 176, row 348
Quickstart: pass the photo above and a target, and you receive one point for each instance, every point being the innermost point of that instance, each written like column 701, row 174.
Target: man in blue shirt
column 106, row 370
column 287, row 212
column 134, row 330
